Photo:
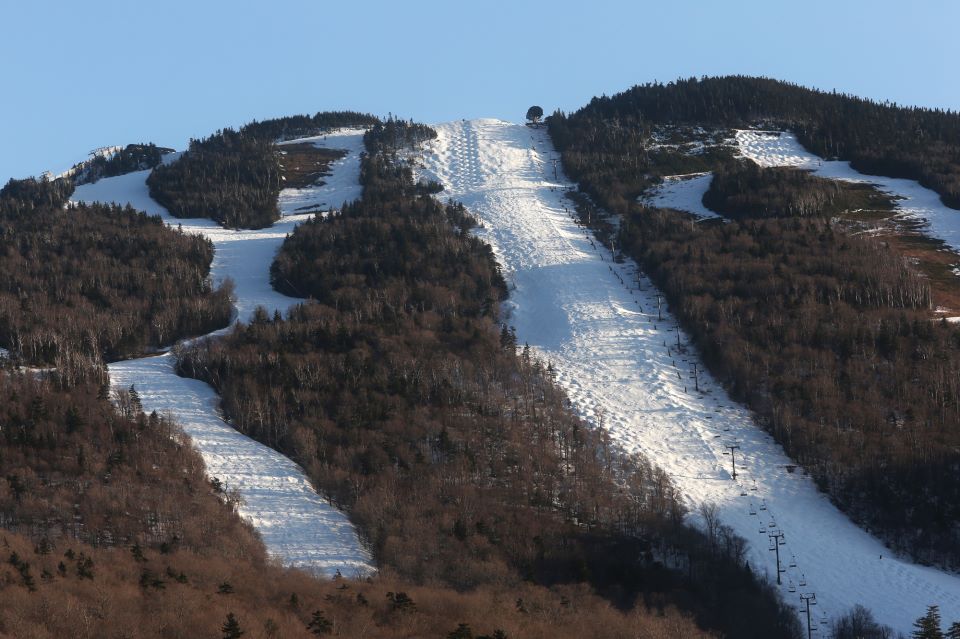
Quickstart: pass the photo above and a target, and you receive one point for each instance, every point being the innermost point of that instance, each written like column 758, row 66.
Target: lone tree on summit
column 534, row 114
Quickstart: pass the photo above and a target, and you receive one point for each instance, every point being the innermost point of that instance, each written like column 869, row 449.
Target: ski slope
column 597, row 322
column 298, row 527
column 914, row 202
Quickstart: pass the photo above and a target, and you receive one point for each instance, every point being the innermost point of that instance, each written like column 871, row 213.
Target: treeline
column 744, row 190
column 24, row 196
column 453, row 450
column 235, row 177
column 230, row 177
column 613, row 158
column 878, row 138
column 392, row 135
column 302, row 126
column 88, row 284
column 827, row 337
column 133, row 157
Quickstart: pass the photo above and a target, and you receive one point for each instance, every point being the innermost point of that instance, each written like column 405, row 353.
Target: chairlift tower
column 808, row 600
column 777, row 540
column 732, row 451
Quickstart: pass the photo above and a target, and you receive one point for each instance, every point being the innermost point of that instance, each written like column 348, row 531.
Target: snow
column 916, row 203
column 682, row 192
column 298, row 527
column 245, row 255
column 596, row 321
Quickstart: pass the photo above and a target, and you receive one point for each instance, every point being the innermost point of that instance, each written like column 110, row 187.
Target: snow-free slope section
column 597, row 322
column 298, row 527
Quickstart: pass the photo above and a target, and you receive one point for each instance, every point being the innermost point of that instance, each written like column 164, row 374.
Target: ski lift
column 743, row 492
column 792, row 588
column 793, row 561
column 763, row 530
column 763, row 506
column 753, row 509
column 754, row 485
column 803, row 580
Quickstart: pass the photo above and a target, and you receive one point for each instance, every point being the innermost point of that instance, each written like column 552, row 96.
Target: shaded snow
column 297, row 525
column 682, row 192
column 596, row 321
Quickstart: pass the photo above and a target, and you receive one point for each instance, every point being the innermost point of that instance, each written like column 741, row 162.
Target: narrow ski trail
column 297, row 525
column 597, row 322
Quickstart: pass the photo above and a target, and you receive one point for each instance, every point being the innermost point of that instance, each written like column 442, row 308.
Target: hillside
column 877, row 138
column 819, row 330
column 451, row 448
column 468, row 396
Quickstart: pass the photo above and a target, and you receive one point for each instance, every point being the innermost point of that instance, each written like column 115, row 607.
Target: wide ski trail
column 298, row 527
column 597, row 322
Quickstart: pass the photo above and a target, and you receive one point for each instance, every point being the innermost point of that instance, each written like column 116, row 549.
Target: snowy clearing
column 915, row 203
column 682, row 192
column 596, row 321
column 298, row 527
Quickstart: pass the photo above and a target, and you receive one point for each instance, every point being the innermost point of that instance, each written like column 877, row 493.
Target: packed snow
column 682, row 192
column 597, row 322
column 298, row 527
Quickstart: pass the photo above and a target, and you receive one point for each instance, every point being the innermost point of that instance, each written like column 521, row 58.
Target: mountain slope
column 619, row 363
column 297, row 526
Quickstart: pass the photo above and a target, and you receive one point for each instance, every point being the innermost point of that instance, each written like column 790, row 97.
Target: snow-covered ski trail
column 914, row 202
column 298, row 527
column 597, row 322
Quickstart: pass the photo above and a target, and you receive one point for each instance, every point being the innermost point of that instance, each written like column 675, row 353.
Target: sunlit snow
column 596, row 321
column 298, row 526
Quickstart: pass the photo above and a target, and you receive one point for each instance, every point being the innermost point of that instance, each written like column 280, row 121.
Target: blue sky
column 78, row 75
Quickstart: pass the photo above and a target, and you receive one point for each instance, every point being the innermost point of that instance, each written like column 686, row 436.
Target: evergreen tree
column 135, row 400
column 954, row 631
column 928, row 626
column 462, row 632
column 231, row 628
column 319, row 624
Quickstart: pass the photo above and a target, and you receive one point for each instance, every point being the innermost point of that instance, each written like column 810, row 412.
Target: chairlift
column 793, row 561
column 753, row 509
column 763, row 506
column 763, row 530
column 792, row 588
column 803, row 580
column 743, row 492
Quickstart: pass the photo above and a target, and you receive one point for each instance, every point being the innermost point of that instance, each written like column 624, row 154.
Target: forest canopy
column 93, row 283
column 877, row 138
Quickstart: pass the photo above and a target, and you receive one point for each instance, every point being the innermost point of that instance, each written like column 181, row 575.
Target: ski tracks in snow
column 618, row 360
column 298, row 527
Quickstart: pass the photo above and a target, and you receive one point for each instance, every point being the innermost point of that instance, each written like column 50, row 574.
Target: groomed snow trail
column 596, row 321
column 298, row 527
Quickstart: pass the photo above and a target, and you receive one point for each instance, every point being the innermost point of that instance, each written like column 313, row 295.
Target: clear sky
column 78, row 75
